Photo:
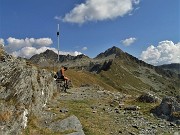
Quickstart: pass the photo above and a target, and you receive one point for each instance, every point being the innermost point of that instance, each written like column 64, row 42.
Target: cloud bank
column 28, row 47
column 128, row 41
column 166, row 52
column 98, row 10
column 14, row 44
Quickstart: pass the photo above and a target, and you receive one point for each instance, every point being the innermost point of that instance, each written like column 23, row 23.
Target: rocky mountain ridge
column 110, row 54
column 51, row 55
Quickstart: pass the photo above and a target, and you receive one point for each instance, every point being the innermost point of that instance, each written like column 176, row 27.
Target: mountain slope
column 131, row 75
column 175, row 67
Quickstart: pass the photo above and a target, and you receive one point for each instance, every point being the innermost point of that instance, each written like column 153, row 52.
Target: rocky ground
column 97, row 111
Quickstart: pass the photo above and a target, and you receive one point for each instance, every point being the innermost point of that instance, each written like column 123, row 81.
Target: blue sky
column 146, row 29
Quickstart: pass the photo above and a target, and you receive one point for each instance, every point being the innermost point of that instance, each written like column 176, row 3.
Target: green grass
column 93, row 123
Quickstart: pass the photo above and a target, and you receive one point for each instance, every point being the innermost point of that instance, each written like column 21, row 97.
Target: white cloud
column 25, row 52
column 28, row 52
column 84, row 48
column 28, row 47
column 166, row 52
column 98, row 10
column 128, row 41
column 43, row 42
column 14, row 44
column 2, row 41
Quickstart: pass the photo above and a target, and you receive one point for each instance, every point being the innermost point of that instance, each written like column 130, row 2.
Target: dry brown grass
column 79, row 78
column 5, row 116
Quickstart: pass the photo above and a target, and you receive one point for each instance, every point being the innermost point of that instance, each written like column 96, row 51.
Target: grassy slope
column 130, row 78
column 121, row 77
column 80, row 78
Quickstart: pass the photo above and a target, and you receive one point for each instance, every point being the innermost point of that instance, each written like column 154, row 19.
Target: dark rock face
column 98, row 67
column 169, row 109
column 147, row 98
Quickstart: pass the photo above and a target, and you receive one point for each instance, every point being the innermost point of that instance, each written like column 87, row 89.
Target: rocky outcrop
column 3, row 55
column 147, row 98
column 169, row 109
column 98, row 67
column 24, row 90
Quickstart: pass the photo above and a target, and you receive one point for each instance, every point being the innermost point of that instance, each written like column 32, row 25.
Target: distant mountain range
column 119, row 70
column 175, row 67
column 49, row 57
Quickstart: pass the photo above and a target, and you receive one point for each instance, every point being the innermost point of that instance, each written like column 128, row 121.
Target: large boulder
column 169, row 109
column 147, row 98
column 69, row 124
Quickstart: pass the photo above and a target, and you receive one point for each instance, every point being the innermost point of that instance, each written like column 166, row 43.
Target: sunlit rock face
column 24, row 91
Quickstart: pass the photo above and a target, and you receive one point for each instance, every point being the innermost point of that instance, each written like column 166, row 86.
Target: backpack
column 55, row 76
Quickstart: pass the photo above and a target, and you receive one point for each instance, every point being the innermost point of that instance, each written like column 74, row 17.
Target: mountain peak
column 49, row 52
column 111, row 51
column 114, row 50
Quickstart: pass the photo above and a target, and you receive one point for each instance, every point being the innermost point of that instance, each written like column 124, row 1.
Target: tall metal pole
column 58, row 40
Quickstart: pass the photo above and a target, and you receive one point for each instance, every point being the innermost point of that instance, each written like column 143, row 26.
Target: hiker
column 61, row 75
